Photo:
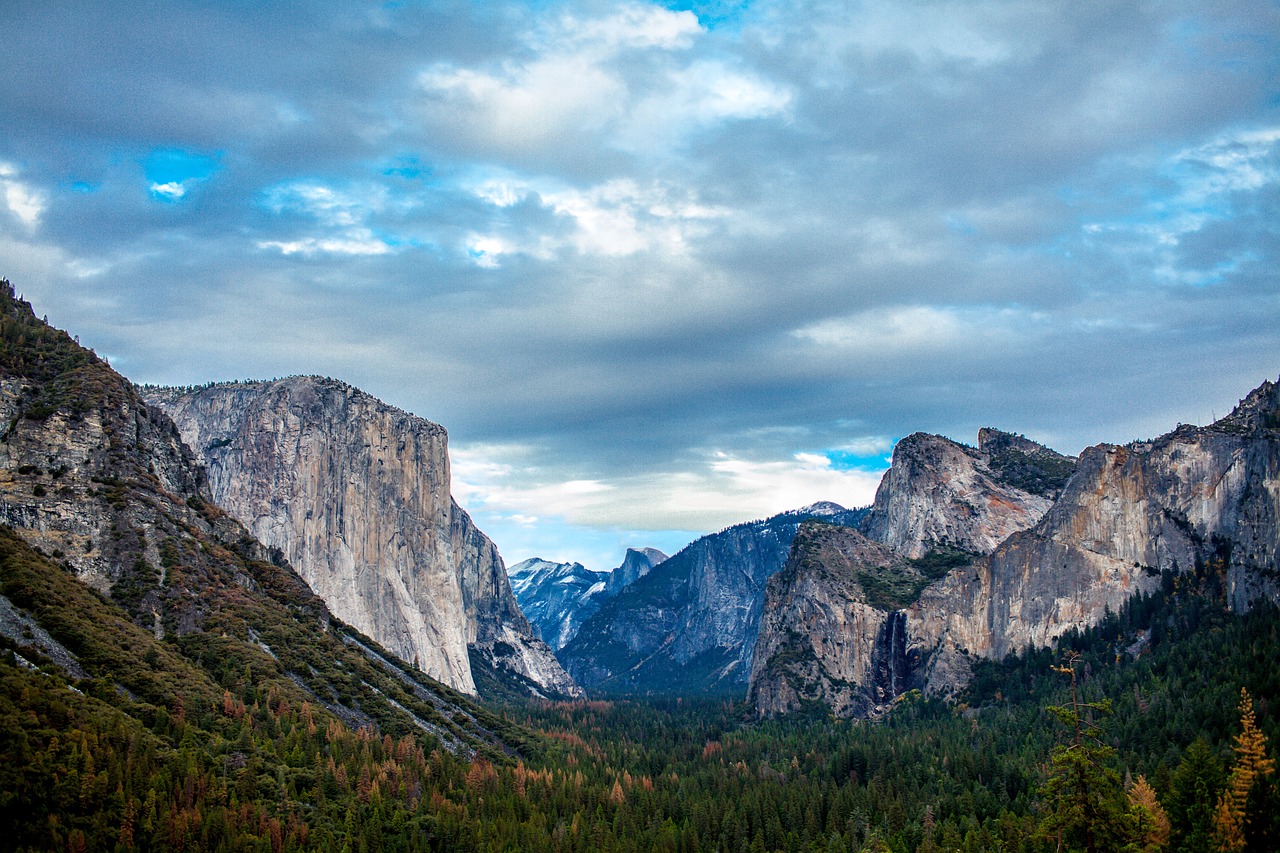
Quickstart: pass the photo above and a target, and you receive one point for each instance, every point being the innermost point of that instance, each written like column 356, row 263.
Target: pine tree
column 1082, row 792
column 1252, row 765
column 1150, row 823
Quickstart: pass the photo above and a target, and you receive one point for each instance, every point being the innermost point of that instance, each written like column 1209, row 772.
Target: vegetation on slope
column 249, row 720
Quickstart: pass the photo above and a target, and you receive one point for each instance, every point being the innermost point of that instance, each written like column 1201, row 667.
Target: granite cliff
column 98, row 490
column 941, row 493
column 689, row 626
column 1196, row 497
column 355, row 494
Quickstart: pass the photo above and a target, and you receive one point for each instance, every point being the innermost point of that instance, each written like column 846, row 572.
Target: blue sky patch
column 713, row 14
column 172, row 172
column 843, row 460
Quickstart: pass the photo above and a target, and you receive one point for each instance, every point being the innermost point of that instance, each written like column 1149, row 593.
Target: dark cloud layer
column 656, row 268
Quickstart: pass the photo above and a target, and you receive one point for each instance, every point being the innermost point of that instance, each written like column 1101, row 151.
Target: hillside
column 147, row 635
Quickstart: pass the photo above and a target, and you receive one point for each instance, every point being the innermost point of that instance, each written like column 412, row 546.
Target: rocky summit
column 940, row 492
column 356, row 495
column 976, row 554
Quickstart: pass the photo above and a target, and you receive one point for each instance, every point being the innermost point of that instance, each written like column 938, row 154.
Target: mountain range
column 307, row 494
column 558, row 597
column 976, row 554
column 689, row 626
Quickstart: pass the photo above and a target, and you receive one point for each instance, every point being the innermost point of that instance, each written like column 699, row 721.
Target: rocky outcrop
column 938, row 492
column 1204, row 499
column 823, row 642
column 1197, row 497
column 689, row 626
column 102, row 485
column 635, row 565
column 355, row 495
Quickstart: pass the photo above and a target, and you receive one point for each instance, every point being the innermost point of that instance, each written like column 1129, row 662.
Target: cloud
column 624, row 238
column 718, row 490
column 25, row 203
column 625, row 81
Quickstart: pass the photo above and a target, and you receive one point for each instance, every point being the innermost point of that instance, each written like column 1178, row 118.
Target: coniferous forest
column 1167, row 743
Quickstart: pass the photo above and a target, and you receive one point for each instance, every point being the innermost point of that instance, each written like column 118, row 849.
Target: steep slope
column 689, row 626
column 355, row 494
column 1194, row 498
column 186, row 608
column 938, row 492
column 556, row 597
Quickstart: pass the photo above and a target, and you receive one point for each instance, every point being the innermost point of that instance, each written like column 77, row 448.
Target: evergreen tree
column 1234, row 816
column 1149, row 822
column 1083, row 792
column 1193, row 790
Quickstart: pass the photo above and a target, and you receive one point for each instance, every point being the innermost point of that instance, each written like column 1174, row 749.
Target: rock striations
column 355, row 494
column 851, row 626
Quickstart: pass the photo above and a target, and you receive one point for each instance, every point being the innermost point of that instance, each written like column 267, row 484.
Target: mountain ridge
column 1193, row 497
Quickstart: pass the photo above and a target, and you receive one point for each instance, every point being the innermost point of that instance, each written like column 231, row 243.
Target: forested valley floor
column 210, row 759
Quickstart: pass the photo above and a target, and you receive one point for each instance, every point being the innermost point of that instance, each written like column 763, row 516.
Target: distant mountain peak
column 821, row 508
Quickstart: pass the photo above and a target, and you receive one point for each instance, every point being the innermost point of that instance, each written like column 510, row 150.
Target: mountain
column 355, row 494
column 689, row 625
column 556, row 597
column 635, row 565
column 939, row 492
column 854, row 621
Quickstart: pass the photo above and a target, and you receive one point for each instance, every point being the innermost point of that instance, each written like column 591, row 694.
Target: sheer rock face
column 635, row 565
column 355, row 494
column 938, row 492
column 1194, row 496
column 821, row 641
column 689, row 626
column 1197, row 496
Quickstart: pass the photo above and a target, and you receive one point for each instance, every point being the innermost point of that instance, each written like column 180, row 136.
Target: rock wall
column 355, row 494
column 1193, row 497
column 821, row 642
column 1196, row 497
column 938, row 492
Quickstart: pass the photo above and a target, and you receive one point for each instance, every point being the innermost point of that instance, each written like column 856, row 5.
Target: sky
column 660, row 268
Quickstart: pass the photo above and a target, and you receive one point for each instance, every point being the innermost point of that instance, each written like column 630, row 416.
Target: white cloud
column 350, row 245
column 877, row 445
column 613, row 219
column 345, row 215
column 171, row 190
column 634, row 25
column 25, row 203
column 724, row 489
column 621, row 81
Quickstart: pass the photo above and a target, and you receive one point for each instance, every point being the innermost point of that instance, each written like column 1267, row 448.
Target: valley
column 251, row 615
